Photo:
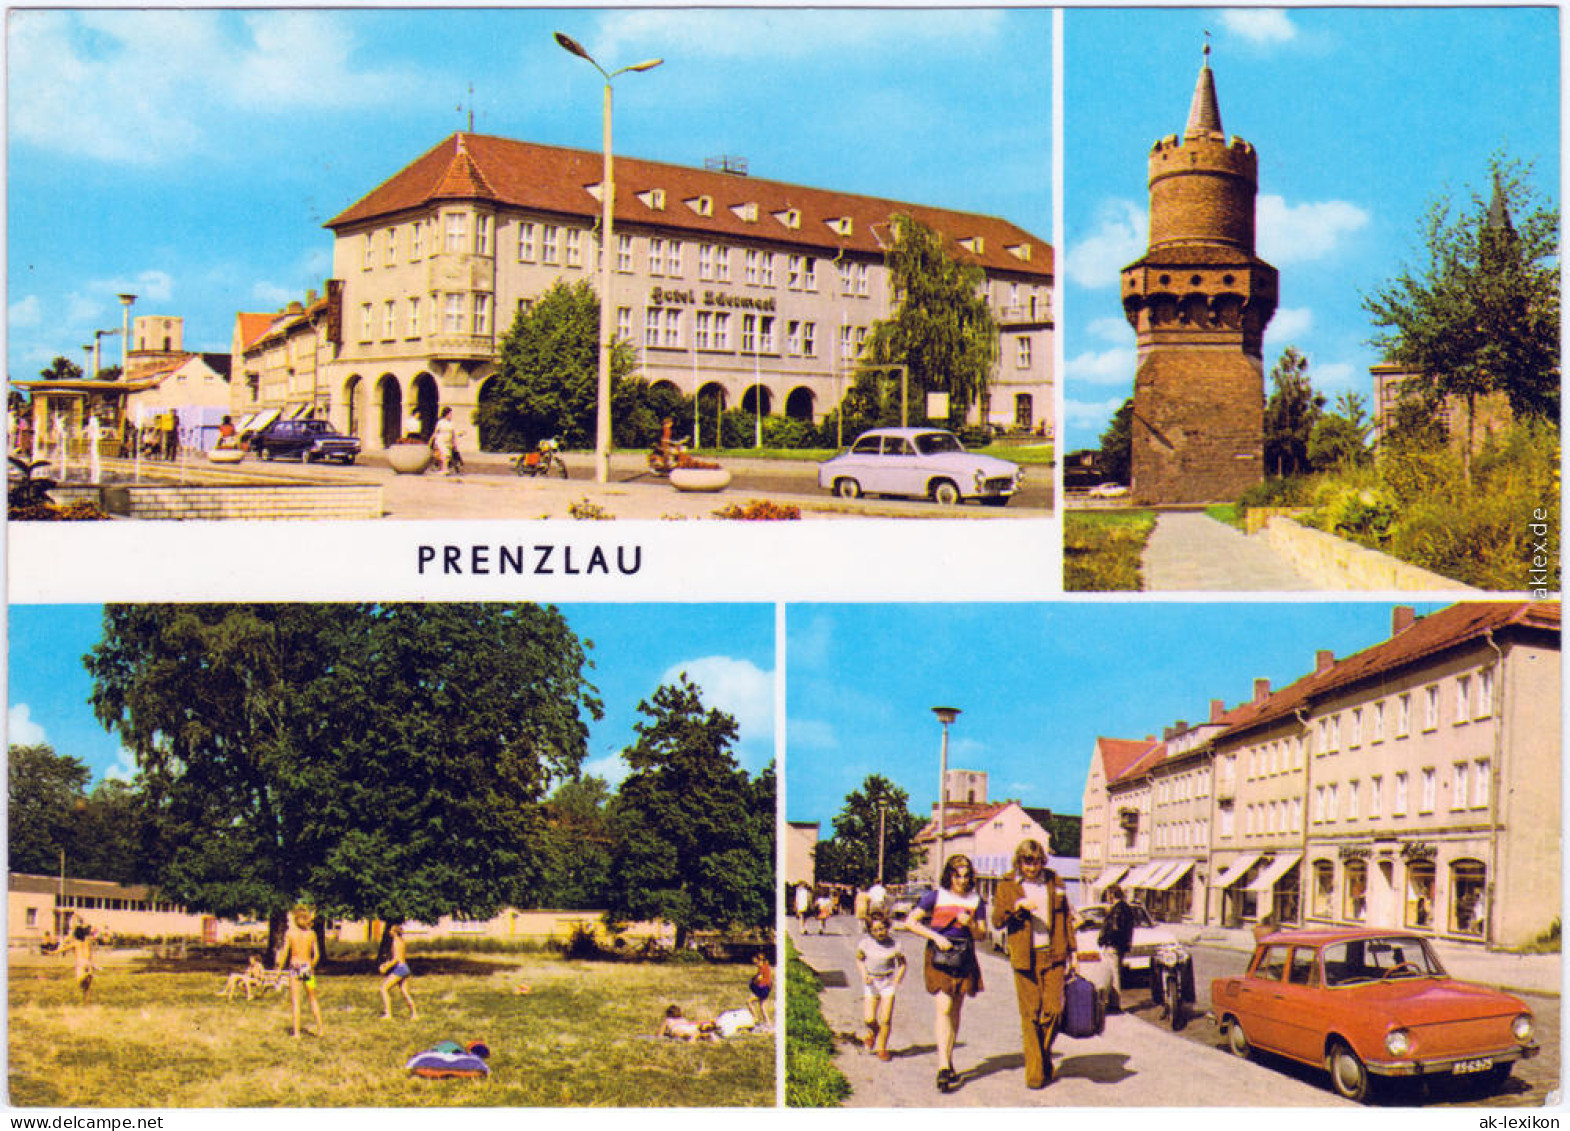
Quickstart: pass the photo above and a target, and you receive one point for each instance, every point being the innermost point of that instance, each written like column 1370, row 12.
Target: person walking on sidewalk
column 1033, row 910
column 951, row 918
column 1116, row 937
column 882, row 969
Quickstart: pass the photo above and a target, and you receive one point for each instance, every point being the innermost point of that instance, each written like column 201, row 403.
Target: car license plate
column 1461, row 1067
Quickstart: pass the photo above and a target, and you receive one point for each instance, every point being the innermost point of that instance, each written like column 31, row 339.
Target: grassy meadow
column 158, row 1034
column 1102, row 548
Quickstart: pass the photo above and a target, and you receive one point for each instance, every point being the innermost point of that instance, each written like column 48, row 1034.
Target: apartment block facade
column 755, row 293
column 1414, row 784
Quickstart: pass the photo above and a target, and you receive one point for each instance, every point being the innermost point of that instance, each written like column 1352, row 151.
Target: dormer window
column 841, row 225
column 1020, row 251
column 596, row 190
column 653, row 199
column 702, row 205
column 747, row 213
column 790, row 218
column 976, row 245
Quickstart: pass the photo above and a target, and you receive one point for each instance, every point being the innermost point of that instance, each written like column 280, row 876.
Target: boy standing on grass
column 397, row 970
column 299, row 956
column 78, row 942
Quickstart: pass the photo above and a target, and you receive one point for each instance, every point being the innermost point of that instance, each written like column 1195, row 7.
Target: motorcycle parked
column 1172, row 983
column 545, row 459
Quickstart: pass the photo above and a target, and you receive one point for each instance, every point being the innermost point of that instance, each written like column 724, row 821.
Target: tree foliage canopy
column 851, row 855
column 99, row 831
column 379, row 761
column 1291, row 411
column 1117, row 444
column 942, row 328
column 1480, row 312
column 695, row 831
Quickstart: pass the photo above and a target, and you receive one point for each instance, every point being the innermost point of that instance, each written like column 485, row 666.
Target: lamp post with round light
column 602, row 426
column 946, row 716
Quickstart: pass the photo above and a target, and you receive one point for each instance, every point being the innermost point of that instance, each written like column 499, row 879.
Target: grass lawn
column 1227, row 513
column 157, row 1035
column 1102, row 548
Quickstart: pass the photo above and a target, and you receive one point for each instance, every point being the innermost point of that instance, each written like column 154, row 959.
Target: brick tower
column 1199, row 301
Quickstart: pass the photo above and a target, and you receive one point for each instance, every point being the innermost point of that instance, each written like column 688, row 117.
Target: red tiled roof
column 1426, row 636
column 252, row 327
column 957, row 817
column 553, row 179
column 1119, row 756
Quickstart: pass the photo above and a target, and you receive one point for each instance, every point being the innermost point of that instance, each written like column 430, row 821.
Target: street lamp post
column 125, row 334
column 946, row 715
column 602, row 426
column 883, row 808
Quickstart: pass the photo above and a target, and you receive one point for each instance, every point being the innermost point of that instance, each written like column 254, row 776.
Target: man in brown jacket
column 1031, row 907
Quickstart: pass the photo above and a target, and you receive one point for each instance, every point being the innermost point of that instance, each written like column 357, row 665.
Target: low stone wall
column 1256, row 519
column 1339, row 564
column 182, row 501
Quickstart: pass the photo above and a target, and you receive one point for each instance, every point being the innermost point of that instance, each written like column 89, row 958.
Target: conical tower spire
column 1204, row 113
column 1498, row 209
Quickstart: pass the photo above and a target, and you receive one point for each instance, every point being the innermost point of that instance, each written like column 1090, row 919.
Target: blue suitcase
column 1084, row 1013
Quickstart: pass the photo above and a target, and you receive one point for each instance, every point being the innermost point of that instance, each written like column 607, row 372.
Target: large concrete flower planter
column 699, row 478
column 409, row 459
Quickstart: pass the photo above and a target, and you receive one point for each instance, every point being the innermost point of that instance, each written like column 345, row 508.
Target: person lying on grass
column 398, row 974
column 253, row 976
column 680, row 1028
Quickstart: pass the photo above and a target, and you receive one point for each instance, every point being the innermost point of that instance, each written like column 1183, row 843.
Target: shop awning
column 1236, row 869
column 1111, row 876
column 1266, row 880
column 1140, row 876
column 1163, row 869
column 1183, row 868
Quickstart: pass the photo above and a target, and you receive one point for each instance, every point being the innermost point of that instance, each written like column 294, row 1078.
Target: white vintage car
column 919, row 463
column 1149, row 936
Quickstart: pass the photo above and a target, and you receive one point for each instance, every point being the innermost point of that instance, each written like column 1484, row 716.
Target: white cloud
column 1289, row 323
column 739, row 688
column 1259, row 25
column 611, row 768
column 1091, row 414
column 1114, row 330
column 1335, row 377
column 628, row 35
column 21, row 729
column 24, row 313
column 144, row 86
column 1107, row 367
column 1300, row 233
column 1116, row 240
column 274, row 297
column 124, row 768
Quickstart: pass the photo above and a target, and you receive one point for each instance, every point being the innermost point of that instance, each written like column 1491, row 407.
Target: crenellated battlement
column 1203, row 154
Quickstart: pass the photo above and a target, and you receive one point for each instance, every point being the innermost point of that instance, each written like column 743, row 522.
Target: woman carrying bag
column 951, row 919
column 1033, row 910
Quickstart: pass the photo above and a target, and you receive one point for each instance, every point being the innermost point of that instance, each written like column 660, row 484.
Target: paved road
column 1131, row 1064
column 1190, row 550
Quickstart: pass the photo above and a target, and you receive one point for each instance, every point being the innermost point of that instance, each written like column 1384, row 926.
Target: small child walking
column 398, row 974
column 882, row 969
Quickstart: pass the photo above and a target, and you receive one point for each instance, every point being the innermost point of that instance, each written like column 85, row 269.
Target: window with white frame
column 749, row 333
column 1463, row 699
column 1353, row 789
column 391, row 250
column 414, row 317
column 846, row 285
column 550, row 244
column 1431, row 706
column 1430, row 787
column 624, row 254
column 526, row 242
column 766, row 334
column 861, row 339
column 368, row 252
column 365, row 322
column 749, row 267
column 766, row 269
column 1403, row 714
column 389, row 320
column 1485, row 693
column 861, row 280
column 1331, row 810
column 673, row 258
column 624, row 323
column 482, row 235
column 793, row 338
column 651, row 326
column 1376, row 796
column 416, row 238
column 809, row 345
column 1480, row 782
column 656, row 255
column 1319, row 804
column 574, row 247
column 453, row 321
column 722, row 264
column 1297, row 813
column 809, row 279
column 845, row 344
column 793, row 273
column 702, row 324
column 722, row 330
column 482, row 314
column 1399, row 801
column 1458, row 783
column 1378, row 726
column 705, row 262
column 672, row 328
column 1355, row 737
column 1022, row 352
column 456, row 237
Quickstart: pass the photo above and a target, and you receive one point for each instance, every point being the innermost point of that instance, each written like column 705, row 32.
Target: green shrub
column 811, row 1079
column 1102, row 549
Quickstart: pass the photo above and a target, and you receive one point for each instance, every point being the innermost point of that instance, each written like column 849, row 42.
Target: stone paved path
column 1191, row 550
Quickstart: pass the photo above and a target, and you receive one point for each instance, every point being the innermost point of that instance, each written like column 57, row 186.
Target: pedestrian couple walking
column 1034, row 914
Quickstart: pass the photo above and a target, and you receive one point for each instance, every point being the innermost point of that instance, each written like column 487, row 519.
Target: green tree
column 1340, row 438
column 695, row 833
column 1117, row 444
column 549, row 376
column 578, row 845
column 1480, row 313
column 61, row 369
column 941, row 329
column 1291, row 411
column 45, row 789
column 376, row 760
column 852, row 853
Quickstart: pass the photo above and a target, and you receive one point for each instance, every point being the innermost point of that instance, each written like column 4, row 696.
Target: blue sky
column 1037, row 684
column 1360, row 119
column 727, row 650
column 191, row 157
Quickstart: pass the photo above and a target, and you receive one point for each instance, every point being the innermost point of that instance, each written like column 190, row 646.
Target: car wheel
column 348, row 461
column 847, row 488
column 1237, row 1040
column 263, row 453
column 1347, row 1074
column 945, row 493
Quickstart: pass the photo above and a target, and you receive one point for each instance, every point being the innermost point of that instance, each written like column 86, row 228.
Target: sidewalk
column 1513, row 973
column 1191, row 550
column 1132, row 1063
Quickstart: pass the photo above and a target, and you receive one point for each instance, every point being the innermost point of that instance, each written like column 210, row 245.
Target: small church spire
column 1498, row 209
column 1204, row 113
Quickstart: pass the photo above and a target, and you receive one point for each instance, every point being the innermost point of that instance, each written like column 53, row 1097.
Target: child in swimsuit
column 299, row 955
column 397, row 970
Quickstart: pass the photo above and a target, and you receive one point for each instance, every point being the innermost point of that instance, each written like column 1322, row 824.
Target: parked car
column 304, row 440
column 1149, row 937
column 903, row 901
column 1107, row 491
column 920, row 463
column 1364, row 1003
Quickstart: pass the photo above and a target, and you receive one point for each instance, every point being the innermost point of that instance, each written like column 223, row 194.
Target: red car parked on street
column 1366, row 1003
